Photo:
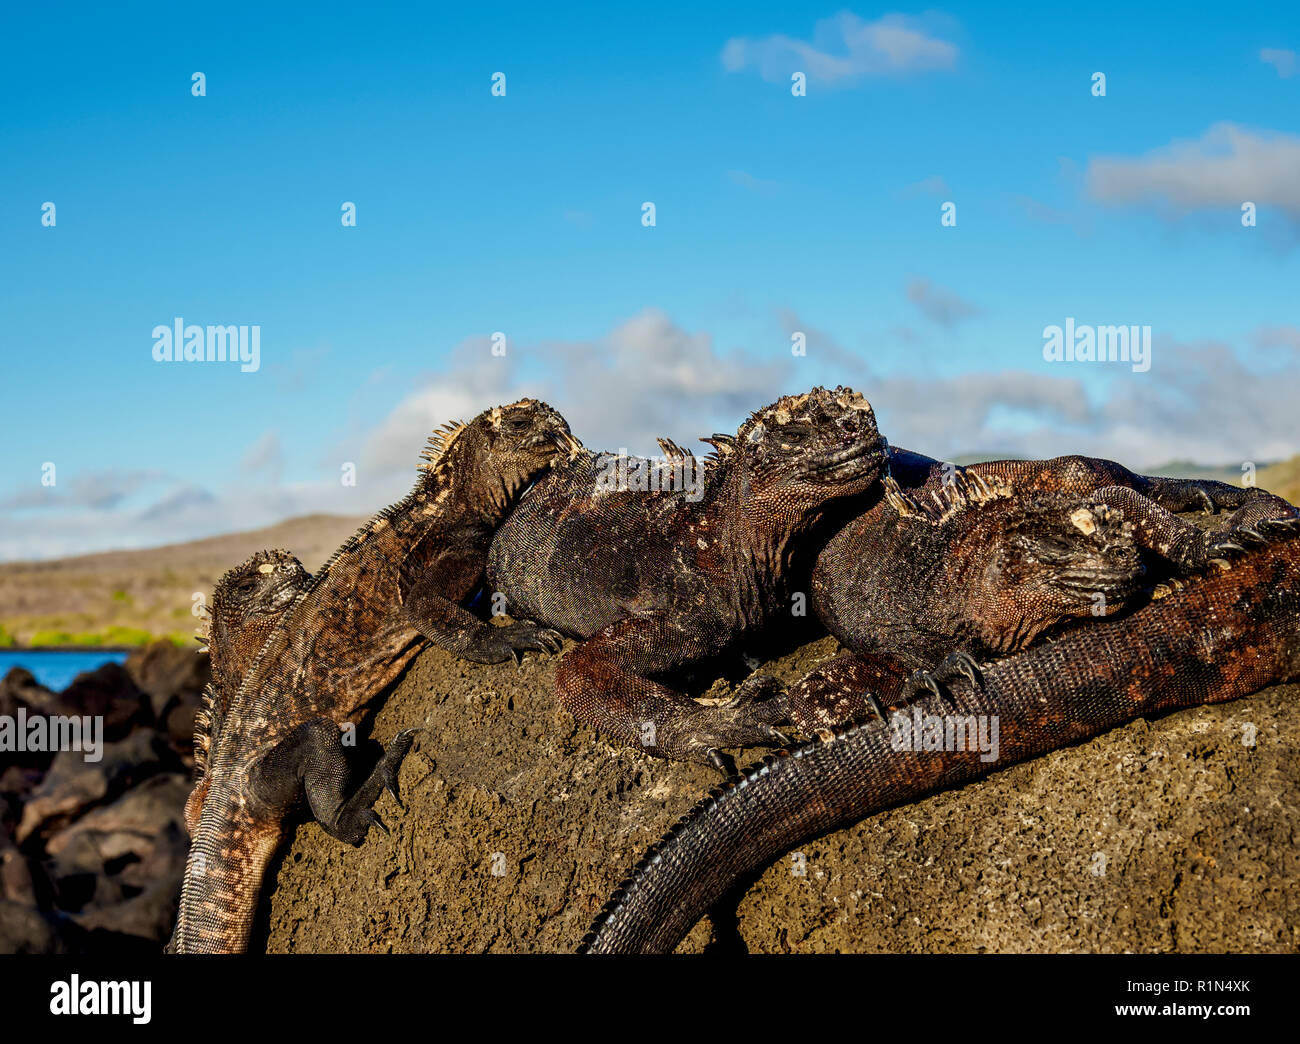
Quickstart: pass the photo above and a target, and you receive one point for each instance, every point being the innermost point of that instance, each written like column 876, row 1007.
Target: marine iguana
column 247, row 602
column 392, row 587
column 1225, row 633
column 655, row 580
column 929, row 585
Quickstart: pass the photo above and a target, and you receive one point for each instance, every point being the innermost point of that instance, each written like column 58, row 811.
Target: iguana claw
column 922, row 681
column 720, row 761
column 964, row 664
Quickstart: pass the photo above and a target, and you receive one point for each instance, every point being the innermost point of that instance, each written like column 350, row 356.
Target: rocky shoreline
column 92, row 851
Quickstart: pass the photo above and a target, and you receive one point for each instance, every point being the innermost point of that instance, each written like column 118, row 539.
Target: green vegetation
column 113, row 636
column 6, row 639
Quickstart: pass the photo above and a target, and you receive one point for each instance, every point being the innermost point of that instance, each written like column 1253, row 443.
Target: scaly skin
column 394, row 586
column 1217, row 637
column 655, row 581
column 247, row 603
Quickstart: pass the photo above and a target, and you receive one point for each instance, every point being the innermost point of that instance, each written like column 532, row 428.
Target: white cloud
column 845, row 48
column 1199, row 402
column 1285, row 62
column 1227, row 166
column 647, row 377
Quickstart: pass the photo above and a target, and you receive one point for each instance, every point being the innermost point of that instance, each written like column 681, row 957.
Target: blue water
column 56, row 668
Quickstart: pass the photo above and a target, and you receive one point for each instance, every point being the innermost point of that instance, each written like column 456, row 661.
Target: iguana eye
column 518, row 423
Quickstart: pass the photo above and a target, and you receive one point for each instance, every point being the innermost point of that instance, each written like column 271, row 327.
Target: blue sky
column 522, row 214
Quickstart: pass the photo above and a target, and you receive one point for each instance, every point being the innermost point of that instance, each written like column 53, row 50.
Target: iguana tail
column 1223, row 635
column 228, row 858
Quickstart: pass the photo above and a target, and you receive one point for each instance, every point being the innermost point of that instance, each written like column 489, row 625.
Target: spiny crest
column 960, row 491
column 205, row 728
column 439, row 442
column 723, row 447
column 674, row 453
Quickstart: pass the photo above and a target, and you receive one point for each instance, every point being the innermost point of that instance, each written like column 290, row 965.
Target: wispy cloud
column 1279, row 336
column 92, row 490
column 264, row 456
column 935, row 185
column 939, row 304
column 759, row 186
column 1226, row 167
column 1285, row 62
column 845, row 49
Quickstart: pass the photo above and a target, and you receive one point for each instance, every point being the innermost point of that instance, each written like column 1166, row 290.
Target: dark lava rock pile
column 92, row 852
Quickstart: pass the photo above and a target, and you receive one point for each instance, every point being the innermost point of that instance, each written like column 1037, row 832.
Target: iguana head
column 804, row 450
column 1051, row 558
column 247, row 603
column 507, row 446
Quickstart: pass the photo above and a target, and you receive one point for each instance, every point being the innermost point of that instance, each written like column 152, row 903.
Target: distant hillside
column 1282, row 479
column 129, row 597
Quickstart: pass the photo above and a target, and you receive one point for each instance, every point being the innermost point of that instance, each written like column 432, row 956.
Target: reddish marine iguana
column 394, row 585
column 655, row 580
column 1220, row 635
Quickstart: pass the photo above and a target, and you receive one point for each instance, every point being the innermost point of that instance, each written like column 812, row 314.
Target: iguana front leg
column 456, row 629
column 1185, row 546
column 605, row 682
column 312, row 760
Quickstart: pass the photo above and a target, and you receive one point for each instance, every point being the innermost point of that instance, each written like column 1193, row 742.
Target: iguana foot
column 697, row 733
column 960, row 662
column 1199, row 495
column 845, row 688
column 499, row 644
column 724, row 763
column 519, row 638
column 957, row 664
column 356, row 815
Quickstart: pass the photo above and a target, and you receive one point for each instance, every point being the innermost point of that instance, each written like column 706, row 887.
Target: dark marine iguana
column 398, row 583
column 1225, row 633
column 930, row 582
column 654, row 580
